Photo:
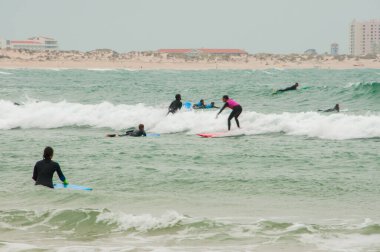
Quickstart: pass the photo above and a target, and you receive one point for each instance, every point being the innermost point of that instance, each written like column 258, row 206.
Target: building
column 334, row 49
column 365, row 37
column 3, row 43
column 310, row 52
column 35, row 43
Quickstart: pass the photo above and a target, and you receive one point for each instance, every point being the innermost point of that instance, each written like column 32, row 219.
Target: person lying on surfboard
column 334, row 109
column 236, row 110
column 133, row 132
column 294, row 87
column 199, row 105
column 175, row 105
column 44, row 170
column 211, row 105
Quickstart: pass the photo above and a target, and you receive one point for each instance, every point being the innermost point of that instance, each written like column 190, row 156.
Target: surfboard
column 220, row 134
column 147, row 134
column 187, row 105
column 71, row 186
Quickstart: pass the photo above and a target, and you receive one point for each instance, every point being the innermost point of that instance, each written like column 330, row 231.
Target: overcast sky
column 277, row 26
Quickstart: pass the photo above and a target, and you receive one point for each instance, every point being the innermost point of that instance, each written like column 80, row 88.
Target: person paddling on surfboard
column 334, row 109
column 294, row 87
column 175, row 105
column 211, row 105
column 236, row 110
column 44, row 170
column 132, row 132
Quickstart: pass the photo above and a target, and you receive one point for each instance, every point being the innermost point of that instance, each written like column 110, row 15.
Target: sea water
column 293, row 180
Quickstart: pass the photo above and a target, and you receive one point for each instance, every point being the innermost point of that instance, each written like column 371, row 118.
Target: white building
column 3, row 43
column 35, row 43
column 365, row 37
column 334, row 49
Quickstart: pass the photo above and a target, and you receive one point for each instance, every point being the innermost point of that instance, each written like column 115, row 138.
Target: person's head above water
column 48, row 153
column 212, row 103
column 225, row 98
column 296, row 84
column 336, row 107
column 202, row 101
column 178, row 97
column 141, row 126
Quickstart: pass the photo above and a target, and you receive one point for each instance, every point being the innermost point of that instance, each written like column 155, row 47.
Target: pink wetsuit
column 231, row 103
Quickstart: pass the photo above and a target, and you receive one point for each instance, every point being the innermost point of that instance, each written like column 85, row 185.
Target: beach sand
column 108, row 59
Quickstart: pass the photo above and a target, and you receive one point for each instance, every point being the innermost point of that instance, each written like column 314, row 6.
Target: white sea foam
column 46, row 114
column 5, row 73
column 144, row 222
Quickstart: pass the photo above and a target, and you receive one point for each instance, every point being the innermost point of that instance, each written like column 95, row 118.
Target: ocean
column 293, row 179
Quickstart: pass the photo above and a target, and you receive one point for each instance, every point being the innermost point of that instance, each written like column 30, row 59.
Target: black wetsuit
column 44, row 170
column 294, row 87
column 135, row 133
column 175, row 106
column 330, row 110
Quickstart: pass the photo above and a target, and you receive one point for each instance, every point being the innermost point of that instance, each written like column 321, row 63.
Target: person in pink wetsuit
column 236, row 110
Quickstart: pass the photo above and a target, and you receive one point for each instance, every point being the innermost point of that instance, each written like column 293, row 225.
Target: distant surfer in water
column 132, row 132
column 44, row 170
column 175, row 105
column 294, row 87
column 136, row 132
column 236, row 110
column 200, row 105
column 211, row 105
column 334, row 109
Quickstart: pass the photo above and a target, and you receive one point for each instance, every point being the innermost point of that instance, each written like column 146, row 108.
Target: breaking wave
column 48, row 115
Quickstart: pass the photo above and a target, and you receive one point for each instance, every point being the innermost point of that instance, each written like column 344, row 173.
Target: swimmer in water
column 44, row 170
column 175, row 105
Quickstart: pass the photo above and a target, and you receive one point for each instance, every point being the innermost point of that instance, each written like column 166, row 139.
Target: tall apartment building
column 365, row 37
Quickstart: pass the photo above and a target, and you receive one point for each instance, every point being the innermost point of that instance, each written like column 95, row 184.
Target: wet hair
column 225, row 97
column 48, row 152
column 297, row 83
column 177, row 96
column 141, row 126
column 212, row 103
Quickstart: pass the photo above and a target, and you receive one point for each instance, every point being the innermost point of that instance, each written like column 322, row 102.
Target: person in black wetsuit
column 334, row 109
column 294, row 87
column 137, row 132
column 44, row 170
column 175, row 105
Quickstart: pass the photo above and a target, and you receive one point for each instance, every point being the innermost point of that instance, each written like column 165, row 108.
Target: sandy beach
column 108, row 59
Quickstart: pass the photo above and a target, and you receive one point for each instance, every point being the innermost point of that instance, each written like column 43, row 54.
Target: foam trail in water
column 106, row 115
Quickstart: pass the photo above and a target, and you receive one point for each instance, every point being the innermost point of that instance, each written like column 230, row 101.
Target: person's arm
column 224, row 106
column 60, row 175
column 144, row 133
column 180, row 105
column 35, row 173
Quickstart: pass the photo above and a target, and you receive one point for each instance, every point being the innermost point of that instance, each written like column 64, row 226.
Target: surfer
column 136, row 132
column 199, row 105
column 334, row 109
column 294, row 87
column 236, row 110
column 44, row 170
column 175, row 105
column 211, row 105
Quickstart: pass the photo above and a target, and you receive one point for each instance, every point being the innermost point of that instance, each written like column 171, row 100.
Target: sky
column 271, row 26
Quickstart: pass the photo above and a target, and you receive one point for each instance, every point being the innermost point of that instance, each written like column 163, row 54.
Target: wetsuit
column 135, row 133
column 236, row 111
column 294, row 87
column 44, row 170
column 175, row 106
column 330, row 110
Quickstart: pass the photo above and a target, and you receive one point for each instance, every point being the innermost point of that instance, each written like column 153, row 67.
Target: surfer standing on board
column 236, row 110
column 45, row 169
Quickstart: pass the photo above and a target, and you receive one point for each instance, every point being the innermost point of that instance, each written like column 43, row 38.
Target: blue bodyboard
column 71, row 186
column 153, row 135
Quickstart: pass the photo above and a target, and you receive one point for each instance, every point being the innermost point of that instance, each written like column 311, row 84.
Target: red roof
column 175, row 50
column 25, row 42
column 223, row 51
